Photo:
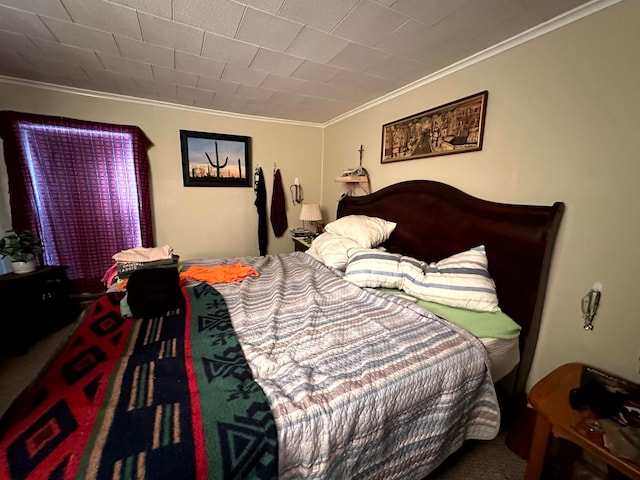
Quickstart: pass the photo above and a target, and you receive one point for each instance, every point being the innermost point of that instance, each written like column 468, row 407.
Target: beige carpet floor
column 487, row 460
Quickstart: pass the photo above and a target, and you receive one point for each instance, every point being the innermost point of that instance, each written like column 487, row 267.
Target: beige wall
column 561, row 123
column 196, row 221
column 562, row 120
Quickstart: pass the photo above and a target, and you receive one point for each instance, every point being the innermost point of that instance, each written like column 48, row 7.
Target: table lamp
column 310, row 212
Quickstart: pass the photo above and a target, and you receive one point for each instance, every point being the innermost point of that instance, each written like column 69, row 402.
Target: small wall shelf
column 355, row 182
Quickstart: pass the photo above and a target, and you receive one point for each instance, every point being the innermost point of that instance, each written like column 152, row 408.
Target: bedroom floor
column 491, row 460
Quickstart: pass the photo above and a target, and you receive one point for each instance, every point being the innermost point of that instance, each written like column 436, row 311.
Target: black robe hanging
column 261, row 206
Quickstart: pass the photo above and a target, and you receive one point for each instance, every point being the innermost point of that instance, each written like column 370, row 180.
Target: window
column 83, row 187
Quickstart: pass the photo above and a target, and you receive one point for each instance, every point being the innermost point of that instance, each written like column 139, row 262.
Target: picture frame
column 454, row 127
column 215, row 159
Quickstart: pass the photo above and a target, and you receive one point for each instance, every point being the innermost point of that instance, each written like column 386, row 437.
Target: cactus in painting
column 239, row 169
column 217, row 165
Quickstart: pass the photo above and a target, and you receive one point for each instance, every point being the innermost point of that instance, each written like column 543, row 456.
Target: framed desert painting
column 215, row 159
column 455, row 127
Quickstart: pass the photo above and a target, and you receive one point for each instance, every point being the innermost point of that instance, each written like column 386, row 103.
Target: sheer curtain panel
column 83, row 187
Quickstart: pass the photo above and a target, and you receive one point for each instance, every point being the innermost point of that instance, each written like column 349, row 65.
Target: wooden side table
column 300, row 244
column 554, row 415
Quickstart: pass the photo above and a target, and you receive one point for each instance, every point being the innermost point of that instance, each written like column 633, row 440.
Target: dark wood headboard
column 435, row 221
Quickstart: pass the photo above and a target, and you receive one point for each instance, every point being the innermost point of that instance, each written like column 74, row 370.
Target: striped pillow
column 461, row 280
column 374, row 268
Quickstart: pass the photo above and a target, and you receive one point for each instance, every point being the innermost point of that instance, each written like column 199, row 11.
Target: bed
column 292, row 369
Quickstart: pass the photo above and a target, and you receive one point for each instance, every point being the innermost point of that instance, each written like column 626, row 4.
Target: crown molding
column 147, row 101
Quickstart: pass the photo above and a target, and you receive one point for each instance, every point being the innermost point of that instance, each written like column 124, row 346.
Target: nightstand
column 300, row 244
column 43, row 300
column 554, row 416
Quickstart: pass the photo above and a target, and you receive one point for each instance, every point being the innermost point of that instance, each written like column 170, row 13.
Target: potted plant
column 22, row 248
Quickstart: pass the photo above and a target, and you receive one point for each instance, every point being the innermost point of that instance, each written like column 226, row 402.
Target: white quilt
column 360, row 384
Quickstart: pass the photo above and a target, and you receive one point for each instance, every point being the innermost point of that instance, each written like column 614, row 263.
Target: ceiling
column 298, row 60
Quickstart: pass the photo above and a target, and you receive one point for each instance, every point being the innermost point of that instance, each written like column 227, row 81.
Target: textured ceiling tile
column 328, row 92
column 145, row 52
column 217, row 16
column 316, row 45
column 411, row 40
column 368, row 23
column 194, row 93
column 123, row 65
column 315, row 71
column 10, row 41
column 275, row 62
column 267, row 30
column 161, row 8
column 375, row 48
column 55, row 78
column 356, row 57
column 180, row 99
column 26, row 23
column 428, row 11
column 54, row 67
column 217, row 85
column 198, row 65
column 548, row 9
column 155, row 85
column 68, row 54
column 228, row 50
column 347, row 78
column 474, row 19
column 105, row 16
column 517, row 24
column 170, row 34
column 231, row 102
column 323, row 15
column 397, row 69
column 285, row 84
column 11, row 62
column 253, row 93
column 169, row 75
column 380, row 86
column 286, row 98
column 81, row 36
column 243, row 76
column 50, row 8
column 270, row 6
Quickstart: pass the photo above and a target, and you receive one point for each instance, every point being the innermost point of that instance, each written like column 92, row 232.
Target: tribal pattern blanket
column 165, row 397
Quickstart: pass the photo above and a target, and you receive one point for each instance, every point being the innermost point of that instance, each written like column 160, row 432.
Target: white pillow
column 331, row 249
column 461, row 280
column 374, row 268
column 368, row 232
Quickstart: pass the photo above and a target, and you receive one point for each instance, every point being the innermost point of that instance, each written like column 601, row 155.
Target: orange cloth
column 219, row 273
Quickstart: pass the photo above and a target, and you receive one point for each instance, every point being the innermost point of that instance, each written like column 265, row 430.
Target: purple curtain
column 83, row 187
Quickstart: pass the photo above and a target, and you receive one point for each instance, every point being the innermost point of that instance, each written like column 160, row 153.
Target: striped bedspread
column 360, row 385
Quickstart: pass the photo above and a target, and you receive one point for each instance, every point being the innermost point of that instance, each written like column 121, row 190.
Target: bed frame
column 435, row 221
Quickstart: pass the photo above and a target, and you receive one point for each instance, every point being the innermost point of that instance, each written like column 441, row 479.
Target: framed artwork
column 455, row 127
column 215, row 159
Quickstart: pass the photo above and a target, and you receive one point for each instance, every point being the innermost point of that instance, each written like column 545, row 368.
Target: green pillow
column 480, row 324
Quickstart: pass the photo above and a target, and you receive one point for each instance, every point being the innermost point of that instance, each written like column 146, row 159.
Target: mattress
column 504, row 355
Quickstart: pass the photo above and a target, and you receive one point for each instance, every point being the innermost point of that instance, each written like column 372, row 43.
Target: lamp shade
column 310, row 212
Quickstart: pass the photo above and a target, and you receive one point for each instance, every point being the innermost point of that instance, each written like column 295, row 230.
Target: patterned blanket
column 166, row 397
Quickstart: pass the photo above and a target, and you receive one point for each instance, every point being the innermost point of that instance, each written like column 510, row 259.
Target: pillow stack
column 346, row 233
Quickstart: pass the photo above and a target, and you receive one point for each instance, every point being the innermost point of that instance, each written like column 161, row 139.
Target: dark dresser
column 34, row 305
